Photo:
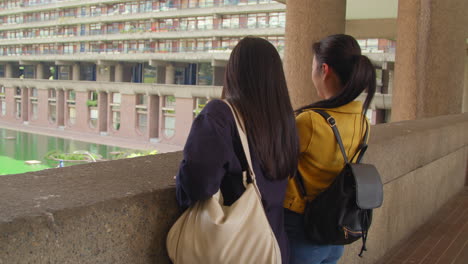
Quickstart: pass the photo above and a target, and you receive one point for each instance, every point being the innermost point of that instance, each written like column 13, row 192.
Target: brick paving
column 442, row 240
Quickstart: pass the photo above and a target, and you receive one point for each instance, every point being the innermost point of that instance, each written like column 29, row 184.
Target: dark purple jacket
column 213, row 159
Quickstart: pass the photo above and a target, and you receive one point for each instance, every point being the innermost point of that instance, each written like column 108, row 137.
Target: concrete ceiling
column 368, row 9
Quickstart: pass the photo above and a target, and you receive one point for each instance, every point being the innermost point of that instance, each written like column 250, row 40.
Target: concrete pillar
column 8, row 71
column 103, row 73
column 184, row 118
column 170, row 74
column 127, row 116
column 82, row 111
column 308, row 22
column 11, row 70
column 465, row 93
column 60, row 106
column 40, row 71
column 102, row 109
column 218, row 75
column 119, row 74
column 10, row 103
column 153, row 116
column 387, row 76
column 161, row 74
column 42, row 107
column 25, row 104
column 430, row 58
column 76, row 72
column 385, row 81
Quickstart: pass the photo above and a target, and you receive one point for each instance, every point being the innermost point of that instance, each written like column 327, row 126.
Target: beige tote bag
column 211, row 233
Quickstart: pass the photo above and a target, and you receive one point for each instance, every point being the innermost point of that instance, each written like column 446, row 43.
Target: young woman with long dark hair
column 340, row 73
column 213, row 156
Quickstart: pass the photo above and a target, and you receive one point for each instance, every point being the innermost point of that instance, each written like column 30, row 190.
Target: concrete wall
column 422, row 164
column 120, row 211
column 465, row 91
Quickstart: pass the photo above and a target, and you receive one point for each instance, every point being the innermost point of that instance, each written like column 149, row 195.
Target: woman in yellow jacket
column 340, row 73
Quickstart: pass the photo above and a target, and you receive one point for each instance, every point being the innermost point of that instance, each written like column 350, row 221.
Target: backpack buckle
column 331, row 121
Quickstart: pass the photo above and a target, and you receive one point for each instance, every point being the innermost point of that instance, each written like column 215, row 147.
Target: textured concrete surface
column 308, row 22
column 409, row 202
column 422, row 164
column 428, row 78
column 121, row 211
column 465, row 91
column 109, row 212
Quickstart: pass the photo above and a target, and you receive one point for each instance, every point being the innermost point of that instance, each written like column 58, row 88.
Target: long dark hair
column 355, row 71
column 255, row 85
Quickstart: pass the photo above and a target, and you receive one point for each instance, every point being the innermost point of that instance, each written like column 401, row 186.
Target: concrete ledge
column 120, row 211
column 108, row 212
column 399, row 148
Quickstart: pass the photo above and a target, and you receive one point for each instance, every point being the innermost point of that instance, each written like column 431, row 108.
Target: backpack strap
column 331, row 121
column 363, row 146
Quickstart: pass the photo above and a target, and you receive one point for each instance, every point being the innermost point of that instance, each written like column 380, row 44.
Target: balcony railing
column 280, row 48
column 179, row 28
column 140, row 9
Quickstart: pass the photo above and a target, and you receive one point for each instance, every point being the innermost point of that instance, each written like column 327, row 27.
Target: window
column 2, row 101
column 52, row 105
column 199, row 105
column 115, row 110
column 68, row 48
column 142, row 113
column 34, row 106
column 95, row 29
column 95, row 11
column 169, row 115
column 69, row 12
column 204, row 44
column 230, row 21
column 262, row 21
column 71, row 106
column 93, row 110
column 17, row 102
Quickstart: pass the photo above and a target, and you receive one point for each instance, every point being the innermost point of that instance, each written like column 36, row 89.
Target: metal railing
column 141, row 8
column 179, row 49
column 179, row 28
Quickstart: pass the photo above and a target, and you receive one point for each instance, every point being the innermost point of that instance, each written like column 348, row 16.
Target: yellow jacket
column 320, row 158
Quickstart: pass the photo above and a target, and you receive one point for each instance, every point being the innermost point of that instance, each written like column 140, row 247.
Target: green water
column 17, row 147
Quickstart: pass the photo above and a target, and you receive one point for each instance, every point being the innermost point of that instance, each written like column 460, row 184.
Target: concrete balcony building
column 121, row 211
column 68, row 44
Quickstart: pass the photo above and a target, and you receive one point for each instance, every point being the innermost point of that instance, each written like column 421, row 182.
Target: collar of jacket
column 355, row 107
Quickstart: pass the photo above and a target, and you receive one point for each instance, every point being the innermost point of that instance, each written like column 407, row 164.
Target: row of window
column 251, row 21
column 141, row 106
column 130, row 7
column 12, row 4
column 130, row 46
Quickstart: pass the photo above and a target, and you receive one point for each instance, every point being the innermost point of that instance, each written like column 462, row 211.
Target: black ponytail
column 355, row 71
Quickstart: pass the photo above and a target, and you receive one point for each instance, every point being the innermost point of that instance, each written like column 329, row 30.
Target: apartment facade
column 138, row 69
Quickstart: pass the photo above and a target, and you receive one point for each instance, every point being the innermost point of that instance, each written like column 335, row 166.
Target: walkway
column 93, row 138
column 442, row 240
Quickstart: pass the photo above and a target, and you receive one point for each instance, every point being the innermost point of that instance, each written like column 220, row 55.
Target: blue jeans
column 302, row 251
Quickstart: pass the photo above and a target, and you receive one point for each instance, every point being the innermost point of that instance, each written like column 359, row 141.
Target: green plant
column 137, row 154
column 91, row 103
column 77, row 156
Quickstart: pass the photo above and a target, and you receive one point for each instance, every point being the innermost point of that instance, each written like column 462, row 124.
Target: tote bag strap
column 245, row 145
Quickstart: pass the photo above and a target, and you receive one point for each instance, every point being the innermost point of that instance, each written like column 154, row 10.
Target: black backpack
column 342, row 213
